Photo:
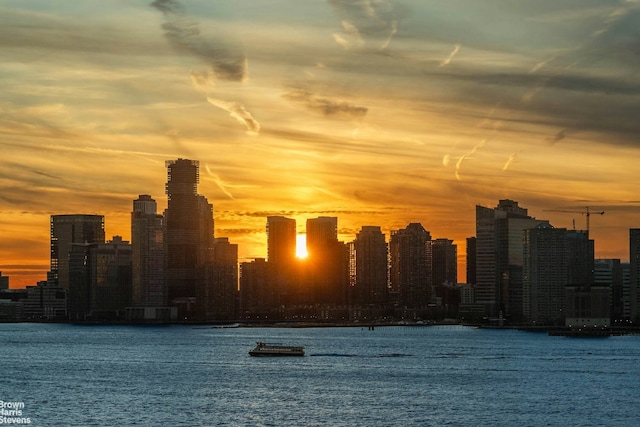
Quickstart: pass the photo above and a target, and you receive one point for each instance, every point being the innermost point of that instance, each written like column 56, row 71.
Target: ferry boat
column 263, row 349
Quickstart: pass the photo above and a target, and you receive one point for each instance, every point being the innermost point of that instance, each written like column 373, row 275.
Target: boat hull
column 267, row 350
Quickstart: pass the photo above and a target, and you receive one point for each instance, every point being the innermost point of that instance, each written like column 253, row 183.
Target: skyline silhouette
column 379, row 113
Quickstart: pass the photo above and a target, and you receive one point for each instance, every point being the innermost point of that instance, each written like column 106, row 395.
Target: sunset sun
column 301, row 246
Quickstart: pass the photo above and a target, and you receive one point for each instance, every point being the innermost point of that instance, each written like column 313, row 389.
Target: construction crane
column 587, row 213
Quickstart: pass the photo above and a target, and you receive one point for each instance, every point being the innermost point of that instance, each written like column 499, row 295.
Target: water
column 68, row 375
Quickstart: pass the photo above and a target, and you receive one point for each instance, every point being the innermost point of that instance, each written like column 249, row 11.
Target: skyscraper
column 67, row 230
column 634, row 274
column 281, row 252
column 371, row 267
column 326, row 276
column 410, row 266
column 217, row 289
column 444, row 262
column 320, row 231
column 188, row 232
column 545, row 275
column 499, row 237
column 147, row 242
column 99, row 280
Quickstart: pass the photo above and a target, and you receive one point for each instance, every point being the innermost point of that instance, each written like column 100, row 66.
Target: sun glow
column 301, row 246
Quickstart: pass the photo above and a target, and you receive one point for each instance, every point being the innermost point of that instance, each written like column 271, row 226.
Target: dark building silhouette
column 218, row 283
column 499, row 237
column 149, row 289
column 147, row 243
column 4, row 281
column 281, row 253
column 444, row 273
column 545, row 275
column 257, row 297
column 67, row 230
column 410, row 266
column 188, row 234
column 371, row 284
column 609, row 273
column 326, row 267
column 471, row 260
column 634, row 274
column 99, row 280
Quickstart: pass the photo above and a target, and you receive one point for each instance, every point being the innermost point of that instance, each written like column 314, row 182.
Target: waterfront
column 197, row 375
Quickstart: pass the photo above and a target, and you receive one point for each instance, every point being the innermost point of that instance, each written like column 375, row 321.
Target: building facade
column 371, row 284
column 66, row 231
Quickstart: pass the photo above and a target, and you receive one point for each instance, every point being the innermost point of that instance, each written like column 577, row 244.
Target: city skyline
column 380, row 113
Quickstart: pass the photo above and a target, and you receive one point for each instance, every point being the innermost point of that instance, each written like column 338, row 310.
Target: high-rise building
column 67, row 230
column 99, row 280
column 188, row 233
column 545, row 275
column 321, row 230
column 608, row 273
column 471, row 260
column 281, row 252
column 634, row 274
column 410, row 266
column 444, row 262
column 371, row 284
column 147, row 244
column 218, row 282
column 326, row 266
column 257, row 297
column 499, row 251
column 444, row 274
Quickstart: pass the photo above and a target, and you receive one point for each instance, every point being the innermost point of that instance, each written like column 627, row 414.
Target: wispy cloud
column 453, row 53
column 238, row 112
column 326, row 106
column 467, row 155
column 510, row 160
column 184, row 34
column 365, row 21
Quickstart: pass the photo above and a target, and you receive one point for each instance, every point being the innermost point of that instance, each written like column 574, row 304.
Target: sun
column 301, row 246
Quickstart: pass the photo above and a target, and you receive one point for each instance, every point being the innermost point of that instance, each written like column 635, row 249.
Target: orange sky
column 377, row 112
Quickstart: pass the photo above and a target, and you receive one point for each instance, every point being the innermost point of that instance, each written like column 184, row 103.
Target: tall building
column 609, row 273
column 99, row 280
column 4, row 281
column 147, row 245
column 281, row 253
column 444, row 262
column 188, row 233
column 499, row 251
column 257, row 297
column 634, row 274
column 444, row 275
column 410, row 266
column 545, row 275
column 321, row 230
column 371, row 284
column 218, row 282
column 326, row 272
column 67, row 230
column 471, row 260
column 149, row 296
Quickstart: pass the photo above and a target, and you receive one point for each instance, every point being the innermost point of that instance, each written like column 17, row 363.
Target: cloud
column 453, row 53
column 184, row 34
column 364, row 21
column 467, row 155
column 326, row 106
column 238, row 112
column 509, row 161
column 558, row 137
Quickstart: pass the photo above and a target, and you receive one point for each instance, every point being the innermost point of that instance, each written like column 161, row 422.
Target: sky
column 379, row 112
